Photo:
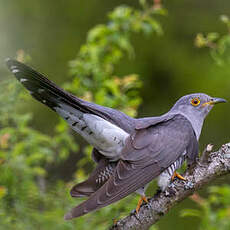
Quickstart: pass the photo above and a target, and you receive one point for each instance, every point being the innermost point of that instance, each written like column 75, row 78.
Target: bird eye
column 195, row 101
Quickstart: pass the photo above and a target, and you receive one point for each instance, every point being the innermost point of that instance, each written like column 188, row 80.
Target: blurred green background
column 168, row 65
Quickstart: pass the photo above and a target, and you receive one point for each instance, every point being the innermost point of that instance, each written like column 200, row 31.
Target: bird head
column 195, row 107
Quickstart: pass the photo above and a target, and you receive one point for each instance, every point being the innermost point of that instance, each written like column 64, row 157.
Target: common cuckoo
column 129, row 152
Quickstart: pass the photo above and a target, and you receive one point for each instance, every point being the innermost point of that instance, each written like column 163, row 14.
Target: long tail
column 53, row 96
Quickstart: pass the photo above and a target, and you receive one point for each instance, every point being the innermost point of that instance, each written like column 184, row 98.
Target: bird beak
column 214, row 101
column 217, row 100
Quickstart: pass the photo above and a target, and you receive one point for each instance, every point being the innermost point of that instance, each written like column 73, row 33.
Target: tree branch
column 213, row 165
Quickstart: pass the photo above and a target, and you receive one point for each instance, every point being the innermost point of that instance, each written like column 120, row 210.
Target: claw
column 178, row 176
column 143, row 198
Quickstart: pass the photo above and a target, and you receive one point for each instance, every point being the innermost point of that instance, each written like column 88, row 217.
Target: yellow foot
column 143, row 198
column 178, row 176
column 115, row 221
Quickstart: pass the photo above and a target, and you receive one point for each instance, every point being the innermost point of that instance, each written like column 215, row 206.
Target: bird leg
column 143, row 198
column 175, row 174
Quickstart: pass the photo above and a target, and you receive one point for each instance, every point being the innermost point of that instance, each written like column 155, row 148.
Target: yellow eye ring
column 195, row 101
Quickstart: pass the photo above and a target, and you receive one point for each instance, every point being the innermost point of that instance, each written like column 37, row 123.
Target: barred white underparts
column 177, row 164
column 105, row 174
column 165, row 177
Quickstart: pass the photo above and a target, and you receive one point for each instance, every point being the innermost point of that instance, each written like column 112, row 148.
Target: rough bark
column 210, row 166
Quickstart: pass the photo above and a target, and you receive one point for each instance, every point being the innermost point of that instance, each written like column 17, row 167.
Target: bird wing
column 142, row 123
column 147, row 153
column 97, row 178
column 51, row 95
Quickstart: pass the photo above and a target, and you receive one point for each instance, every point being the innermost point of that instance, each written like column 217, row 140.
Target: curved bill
column 214, row 100
column 217, row 100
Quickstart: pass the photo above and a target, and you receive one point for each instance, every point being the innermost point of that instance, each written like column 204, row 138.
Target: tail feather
column 53, row 96
column 42, row 89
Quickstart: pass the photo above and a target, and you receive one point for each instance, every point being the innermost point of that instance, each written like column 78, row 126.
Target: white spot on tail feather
column 15, row 70
column 41, row 90
column 23, row 79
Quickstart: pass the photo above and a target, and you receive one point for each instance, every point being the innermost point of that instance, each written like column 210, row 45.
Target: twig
column 205, row 155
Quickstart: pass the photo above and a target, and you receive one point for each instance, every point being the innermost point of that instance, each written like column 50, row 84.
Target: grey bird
column 129, row 152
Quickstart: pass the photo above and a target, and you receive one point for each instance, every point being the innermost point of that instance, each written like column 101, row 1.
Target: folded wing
column 147, row 153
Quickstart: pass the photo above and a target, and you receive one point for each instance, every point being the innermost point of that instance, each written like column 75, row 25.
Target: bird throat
column 196, row 122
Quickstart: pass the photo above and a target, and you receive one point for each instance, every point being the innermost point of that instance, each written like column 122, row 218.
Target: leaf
column 190, row 212
column 211, row 37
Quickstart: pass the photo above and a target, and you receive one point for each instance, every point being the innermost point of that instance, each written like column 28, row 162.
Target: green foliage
column 24, row 155
column 219, row 45
column 28, row 199
column 106, row 45
column 214, row 212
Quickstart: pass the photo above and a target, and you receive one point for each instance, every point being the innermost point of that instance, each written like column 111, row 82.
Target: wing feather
column 98, row 177
column 167, row 141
